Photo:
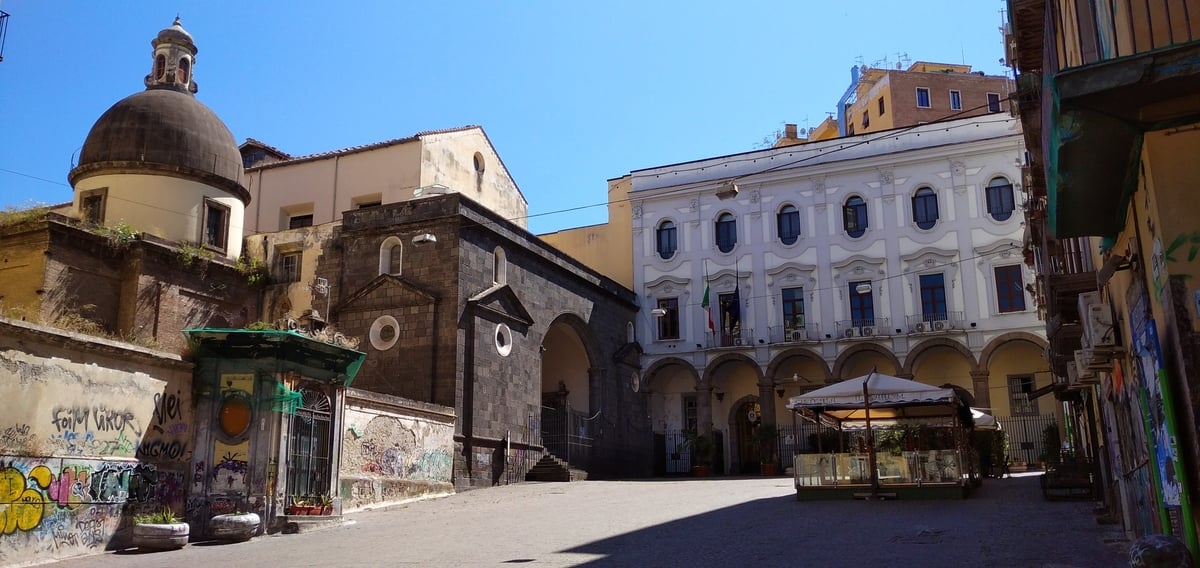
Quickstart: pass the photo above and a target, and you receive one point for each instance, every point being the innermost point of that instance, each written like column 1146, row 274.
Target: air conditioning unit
column 867, row 331
column 1090, row 359
column 921, row 327
column 797, row 335
column 1089, row 362
column 737, row 341
column 1098, row 330
column 851, row 332
column 940, row 325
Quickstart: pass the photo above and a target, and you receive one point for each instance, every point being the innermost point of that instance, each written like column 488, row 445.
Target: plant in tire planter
column 160, row 531
column 234, row 526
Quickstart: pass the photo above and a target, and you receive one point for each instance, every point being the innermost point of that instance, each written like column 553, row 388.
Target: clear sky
column 570, row 93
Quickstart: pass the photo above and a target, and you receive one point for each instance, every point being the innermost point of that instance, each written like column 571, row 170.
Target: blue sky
column 571, row 93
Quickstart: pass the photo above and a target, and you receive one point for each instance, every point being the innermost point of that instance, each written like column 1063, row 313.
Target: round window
column 503, row 340
column 385, row 331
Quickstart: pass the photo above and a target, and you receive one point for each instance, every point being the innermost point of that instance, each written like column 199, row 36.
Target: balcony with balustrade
column 864, row 328
column 935, row 322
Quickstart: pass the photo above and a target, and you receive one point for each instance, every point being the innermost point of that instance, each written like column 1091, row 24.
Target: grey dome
column 163, row 132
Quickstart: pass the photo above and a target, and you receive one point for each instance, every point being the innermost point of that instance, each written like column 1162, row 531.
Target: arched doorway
column 566, row 417
column 747, row 415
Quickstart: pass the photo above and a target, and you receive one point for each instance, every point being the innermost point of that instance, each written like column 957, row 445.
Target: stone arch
column 585, row 333
column 801, row 352
column 840, row 364
column 985, row 358
column 738, row 441
column 713, row 365
column 928, row 344
column 657, row 366
column 570, row 369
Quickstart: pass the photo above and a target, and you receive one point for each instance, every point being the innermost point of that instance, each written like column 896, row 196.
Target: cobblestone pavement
column 708, row 522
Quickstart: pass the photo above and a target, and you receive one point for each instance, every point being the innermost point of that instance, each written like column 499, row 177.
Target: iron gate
column 568, row 434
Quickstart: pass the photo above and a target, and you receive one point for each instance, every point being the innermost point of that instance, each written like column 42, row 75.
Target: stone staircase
column 550, row 468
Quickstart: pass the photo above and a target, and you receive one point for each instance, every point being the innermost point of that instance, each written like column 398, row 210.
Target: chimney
column 789, row 131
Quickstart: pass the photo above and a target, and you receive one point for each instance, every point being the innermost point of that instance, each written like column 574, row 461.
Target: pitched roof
column 360, row 148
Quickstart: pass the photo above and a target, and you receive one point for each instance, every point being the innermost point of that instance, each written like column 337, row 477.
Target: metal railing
column 1071, row 256
column 865, row 327
column 1026, row 436
column 567, row 434
column 743, row 337
column 794, row 334
column 934, row 322
column 1094, row 32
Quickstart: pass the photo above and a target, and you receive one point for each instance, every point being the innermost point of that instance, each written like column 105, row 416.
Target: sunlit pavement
column 683, row 522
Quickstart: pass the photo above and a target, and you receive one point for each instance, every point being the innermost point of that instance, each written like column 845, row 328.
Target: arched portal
column 861, row 359
column 735, row 380
column 567, row 415
column 941, row 364
column 674, row 400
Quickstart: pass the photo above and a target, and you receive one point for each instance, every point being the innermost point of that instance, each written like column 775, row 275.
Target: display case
column 908, row 468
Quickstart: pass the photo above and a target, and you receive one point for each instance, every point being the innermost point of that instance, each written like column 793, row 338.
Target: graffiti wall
column 85, row 447
column 394, row 449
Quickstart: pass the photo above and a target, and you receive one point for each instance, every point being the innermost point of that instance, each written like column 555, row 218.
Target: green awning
column 321, row 360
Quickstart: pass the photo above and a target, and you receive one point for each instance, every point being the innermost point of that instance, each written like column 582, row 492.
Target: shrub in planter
column 160, row 531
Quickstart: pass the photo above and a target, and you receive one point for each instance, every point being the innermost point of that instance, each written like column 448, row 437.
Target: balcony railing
column 1071, row 256
column 934, row 322
column 866, row 327
column 742, row 337
column 794, row 334
column 1092, row 32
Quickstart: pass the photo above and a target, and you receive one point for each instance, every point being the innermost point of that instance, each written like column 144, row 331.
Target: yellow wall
column 168, row 207
column 23, row 271
column 606, row 248
column 1018, row 358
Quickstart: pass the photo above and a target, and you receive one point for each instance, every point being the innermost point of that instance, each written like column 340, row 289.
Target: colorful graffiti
column 434, row 465
column 30, row 493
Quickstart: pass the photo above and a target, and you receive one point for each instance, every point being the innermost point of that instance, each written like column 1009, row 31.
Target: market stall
column 894, row 438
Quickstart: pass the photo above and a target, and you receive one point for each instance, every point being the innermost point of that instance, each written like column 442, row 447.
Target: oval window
column 234, row 417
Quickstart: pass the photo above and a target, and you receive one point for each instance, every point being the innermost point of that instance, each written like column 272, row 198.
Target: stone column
column 766, row 402
column 979, row 382
column 704, row 394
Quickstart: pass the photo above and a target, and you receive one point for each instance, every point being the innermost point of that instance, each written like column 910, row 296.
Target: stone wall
column 394, row 449
column 84, row 447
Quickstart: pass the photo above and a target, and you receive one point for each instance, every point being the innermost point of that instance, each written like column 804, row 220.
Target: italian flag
column 707, row 312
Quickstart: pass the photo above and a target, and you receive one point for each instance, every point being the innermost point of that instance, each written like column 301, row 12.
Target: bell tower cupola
column 174, row 58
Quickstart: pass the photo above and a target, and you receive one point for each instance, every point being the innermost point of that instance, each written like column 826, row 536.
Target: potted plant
column 325, row 501
column 238, row 526
column 703, row 448
column 299, row 506
column 161, row 530
column 765, row 436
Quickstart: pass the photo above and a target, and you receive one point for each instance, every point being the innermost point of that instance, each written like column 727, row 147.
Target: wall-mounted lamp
column 698, row 346
column 728, row 191
column 863, row 288
column 658, row 312
column 720, row 394
column 779, row 391
column 424, row 238
column 972, row 325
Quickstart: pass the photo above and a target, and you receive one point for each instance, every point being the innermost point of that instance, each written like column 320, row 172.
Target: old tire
column 160, row 536
column 234, row 526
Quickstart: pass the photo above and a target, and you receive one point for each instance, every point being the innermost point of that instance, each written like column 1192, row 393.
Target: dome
column 163, row 132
